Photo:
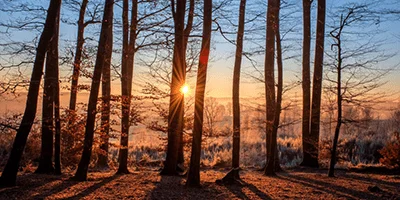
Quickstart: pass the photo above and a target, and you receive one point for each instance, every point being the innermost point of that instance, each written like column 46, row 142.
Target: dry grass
column 293, row 184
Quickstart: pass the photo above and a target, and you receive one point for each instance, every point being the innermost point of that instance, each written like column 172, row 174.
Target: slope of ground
column 292, row 184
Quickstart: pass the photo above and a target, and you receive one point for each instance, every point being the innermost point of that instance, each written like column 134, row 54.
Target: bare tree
column 175, row 120
column 355, row 66
column 306, row 83
column 50, row 84
column 272, row 14
column 194, row 168
column 105, row 41
column 9, row 175
column 233, row 175
column 317, row 87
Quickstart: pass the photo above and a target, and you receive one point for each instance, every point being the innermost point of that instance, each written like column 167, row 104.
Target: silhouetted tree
column 128, row 52
column 305, row 132
column 105, row 42
column 272, row 14
column 9, row 175
column 313, row 149
column 175, row 120
column 234, row 173
column 50, row 84
column 194, row 168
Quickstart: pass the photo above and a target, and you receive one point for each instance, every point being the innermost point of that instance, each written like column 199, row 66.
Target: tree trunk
column 78, row 56
column 175, row 120
column 9, row 175
column 128, row 49
column 278, row 106
column 232, row 176
column 194, row 168
column 331, row 172
column 46, row 151
column 57, row 122
column 105, row 110
column 317, row 85
column 57, row 139
column 272, row 12
column 306, row 140
column 104, row 43
column 187, row 31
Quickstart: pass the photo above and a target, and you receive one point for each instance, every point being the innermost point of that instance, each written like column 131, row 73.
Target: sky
column 219, row 80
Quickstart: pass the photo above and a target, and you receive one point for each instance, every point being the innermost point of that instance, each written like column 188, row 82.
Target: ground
column 291, row 184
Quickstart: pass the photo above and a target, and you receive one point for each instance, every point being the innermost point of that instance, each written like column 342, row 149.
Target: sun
column 185, row 89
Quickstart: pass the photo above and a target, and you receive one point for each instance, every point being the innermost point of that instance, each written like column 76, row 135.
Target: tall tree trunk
column 102, row 57
column 50, row 84
column 57, row 139
column 9, row 175
column 233, row 175
column 278, row 106
column 46, row 150
column 78, row 56
column 317, row 85
column 306, row 140
column 272, row 12
column 194, row 168
column 105, row 110
column 175, row 120
column 187, row 31
column 128, row 49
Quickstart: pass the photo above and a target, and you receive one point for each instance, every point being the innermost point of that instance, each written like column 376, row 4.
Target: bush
column 391, row 154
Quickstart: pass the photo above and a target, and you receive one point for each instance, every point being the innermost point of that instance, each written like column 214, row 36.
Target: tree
column 194, row 168
column 233, row 175
column 272, row 14
column 175, row 120
column 313, row 149
column 278, row 105
column 187, row 31
column 306, row 140
column 50, row 84
column 354, row 66
column 78, row 55
column 9, row 175
column 105, row 107
column 105, row 42
column 128, row 52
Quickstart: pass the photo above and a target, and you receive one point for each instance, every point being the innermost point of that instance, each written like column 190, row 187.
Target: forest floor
column 300, row 183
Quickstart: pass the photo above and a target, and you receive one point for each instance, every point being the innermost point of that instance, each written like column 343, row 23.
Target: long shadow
column 370, row 180
column 238, row 190
column 31, row 182
column 173, row 187
column 328, row 187
column 55, row 189
column 94, row 187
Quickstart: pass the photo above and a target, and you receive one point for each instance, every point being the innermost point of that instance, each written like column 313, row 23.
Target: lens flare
column 185, row 89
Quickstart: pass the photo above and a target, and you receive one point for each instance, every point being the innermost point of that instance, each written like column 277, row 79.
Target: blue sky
column 220, row 72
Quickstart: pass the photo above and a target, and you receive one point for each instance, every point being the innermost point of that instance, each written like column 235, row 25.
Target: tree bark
column 105, row 108
column 278, row 106
column 187, row 31
column 272, row 12
column 46, row 150
column 78, row 56
column 175, row 120
column 317, row 85
column 233, row 175
column 104, row 43
column 306, row 140
column 9, row 175
column 129, row 42
column 194, row 168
